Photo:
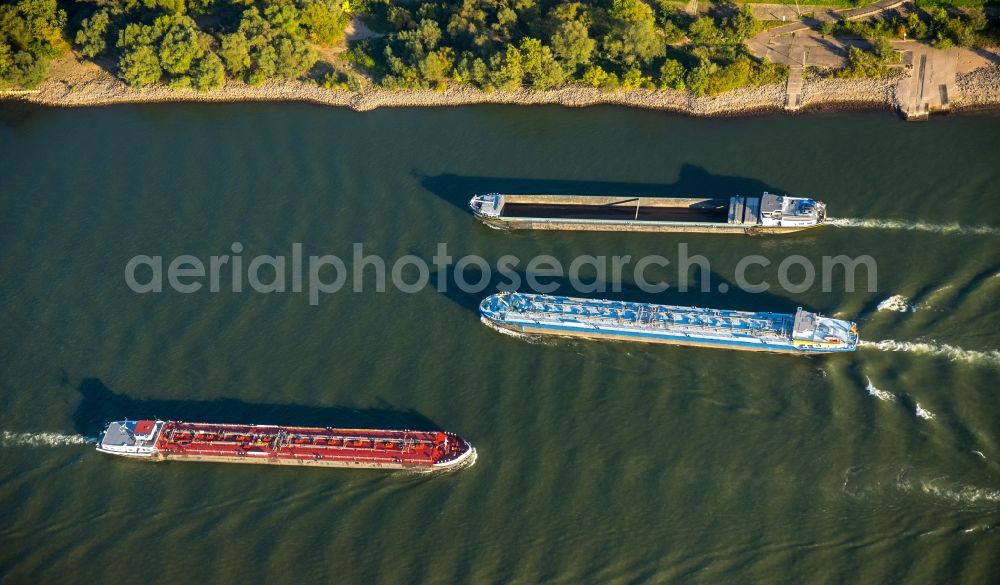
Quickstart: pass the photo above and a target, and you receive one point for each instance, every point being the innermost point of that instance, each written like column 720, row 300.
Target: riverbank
column 73, row 82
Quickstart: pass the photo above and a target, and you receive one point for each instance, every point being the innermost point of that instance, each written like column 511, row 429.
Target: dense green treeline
column 185, row 43
column 198, row 43
column 492, row 44
column 31, row 33
column 489, row 44
column 506, row 44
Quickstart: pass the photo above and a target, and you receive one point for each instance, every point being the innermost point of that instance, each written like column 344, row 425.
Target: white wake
column 866, row 483
column 919, row 226
column 962, row 494
column 924, row 413
column 897, row 303
column 955, row 354
column 880, row 394
column 9, row 439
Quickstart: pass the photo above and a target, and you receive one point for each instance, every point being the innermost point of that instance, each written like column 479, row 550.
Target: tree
column 235, row 53
column 294, row 56
column 540, row 66
column 264, row 66
column 884, row 50
column 437, row 65
column 742, row 25
column 92, row 36
column 963, row 32
column 915, row 27
column 35, row 27
column 597, row 77
column 24, row 70
column 672, row 33
column 571, row 42
column 208, row 73
column 862, row 64
column 467, row 24
column 169, row 6
column 6, row 57
column 633, row 39
column 140, row 67
column 507, row 69
column 421, row 40
column 136, row 34
column 703, row 31
column 672, row 75
column 283, row 16
column 323, row 21
column 179, row 47
column 630, row 10
column 31, row 33
column 200, row 6
column 471, row 69
column 634, row 79
column 699, row 79
column 169, row 46
column 263, row 48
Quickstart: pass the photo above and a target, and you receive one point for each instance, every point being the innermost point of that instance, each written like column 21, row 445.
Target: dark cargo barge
column 768, row 213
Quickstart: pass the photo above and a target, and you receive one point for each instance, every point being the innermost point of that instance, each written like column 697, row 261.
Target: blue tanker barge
column 535, row 314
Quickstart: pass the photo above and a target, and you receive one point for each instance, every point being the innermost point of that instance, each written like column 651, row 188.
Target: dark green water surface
column 598, row 462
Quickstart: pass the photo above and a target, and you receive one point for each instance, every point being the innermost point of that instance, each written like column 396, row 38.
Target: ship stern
column 812, row 333
column 131, row 438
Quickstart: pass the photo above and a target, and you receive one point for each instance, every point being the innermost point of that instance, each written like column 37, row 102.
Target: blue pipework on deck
column 641, row 316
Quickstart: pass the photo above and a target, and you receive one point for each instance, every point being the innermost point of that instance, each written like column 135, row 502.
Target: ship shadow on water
column 693, row 181
column 100, row 405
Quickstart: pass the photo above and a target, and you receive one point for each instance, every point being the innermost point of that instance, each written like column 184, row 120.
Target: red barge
column 158, row 440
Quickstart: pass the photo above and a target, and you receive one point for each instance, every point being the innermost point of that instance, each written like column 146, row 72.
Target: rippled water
column 598, row 462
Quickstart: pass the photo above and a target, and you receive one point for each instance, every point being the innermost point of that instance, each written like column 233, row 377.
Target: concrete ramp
column 930, row 87
column 793, row 90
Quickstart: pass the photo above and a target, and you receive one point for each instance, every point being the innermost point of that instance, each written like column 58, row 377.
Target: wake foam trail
column 876, row 483
column 880, row 394
column 962, row 494
column 919, row 226
column 897, row 303
column 955, row 354
column 9, row 439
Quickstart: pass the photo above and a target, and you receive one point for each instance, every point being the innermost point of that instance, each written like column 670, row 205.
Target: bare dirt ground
column 356, row 30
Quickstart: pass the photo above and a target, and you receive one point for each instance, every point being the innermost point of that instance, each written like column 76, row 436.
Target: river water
column 598, row 462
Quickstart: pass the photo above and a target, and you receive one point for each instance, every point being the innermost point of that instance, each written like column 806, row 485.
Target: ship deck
column 624, row 211
column 644, row 316
column 408, row 448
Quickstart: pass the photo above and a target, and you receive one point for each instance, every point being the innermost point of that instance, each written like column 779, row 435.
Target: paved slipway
column 927, row 79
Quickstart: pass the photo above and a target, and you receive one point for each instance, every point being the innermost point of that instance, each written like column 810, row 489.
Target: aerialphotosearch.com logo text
column 318, row 275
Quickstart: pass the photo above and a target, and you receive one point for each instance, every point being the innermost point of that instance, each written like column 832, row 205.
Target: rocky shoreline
column 980, row 89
